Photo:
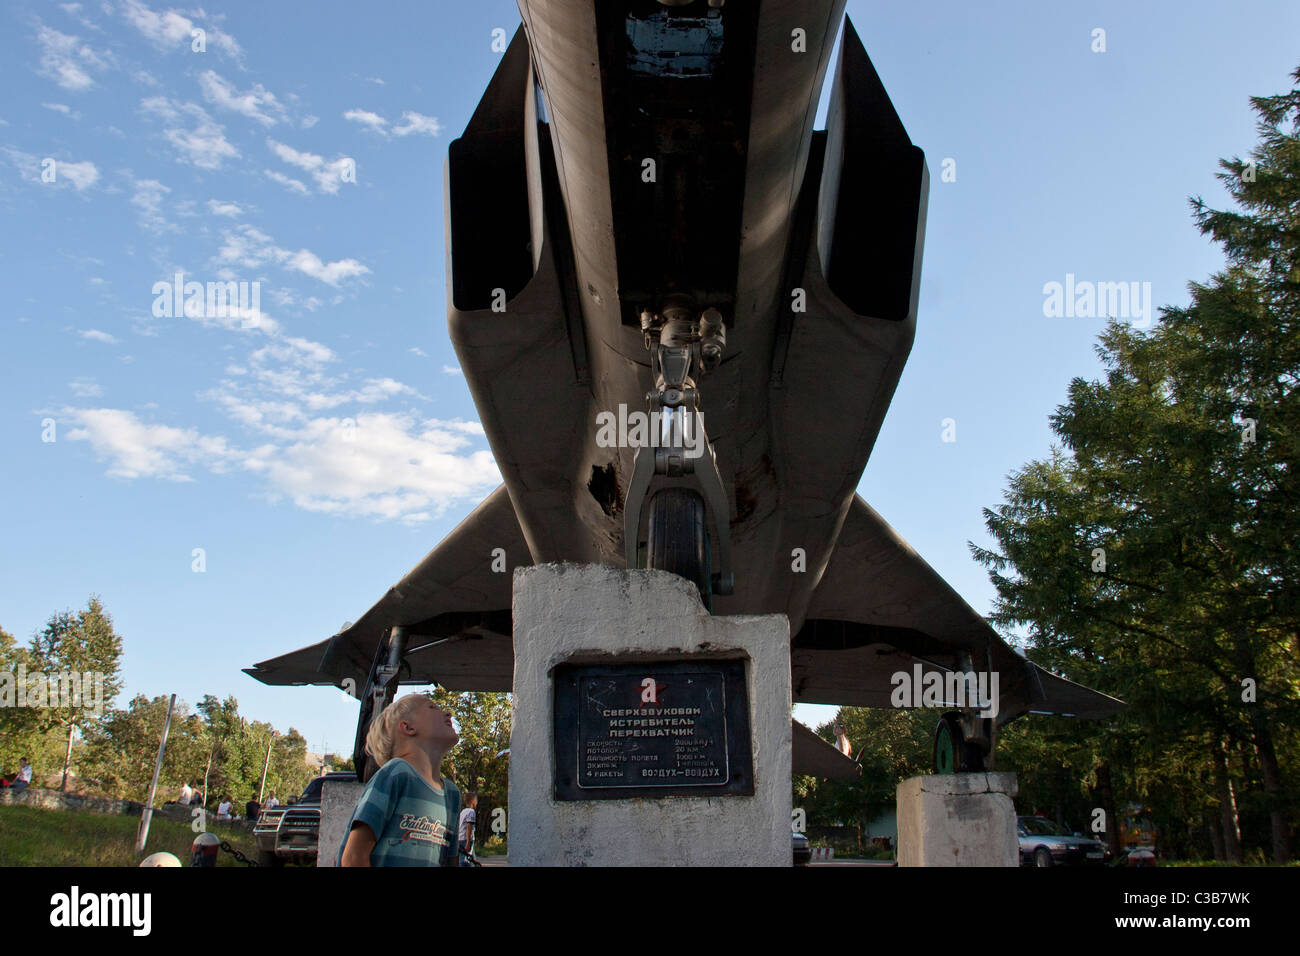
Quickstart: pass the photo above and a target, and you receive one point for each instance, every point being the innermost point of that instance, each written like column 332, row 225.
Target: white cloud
column 78, row 175
column 94, row 335
column 368, row 119
column 204, row 146
column 147, row 199
column 74, row 10
column 224, row 208
column 331, row 273
column 67, row 61
column 387, row 465
column 258, row 103
column 247, row 246
column 251, row 248
column 63, row 108
column 416, row 350
column 374, row 390
column 309, row 430
column 294, row 351
column 382, row 465
column 327, row 175
column 411, row 123
column 293, row 185
column 170, row 30
column 81, row 175
column 86, row 388
column 452, row 370
column 418, row 123
column 307, row 122
column 138, row 450
column 165, row 29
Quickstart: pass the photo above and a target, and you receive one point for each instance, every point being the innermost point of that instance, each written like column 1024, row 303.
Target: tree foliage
column 1152, row 553
column 477, row 762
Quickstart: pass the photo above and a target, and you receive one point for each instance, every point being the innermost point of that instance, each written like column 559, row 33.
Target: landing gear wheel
column 952, row 753
column 679, row 538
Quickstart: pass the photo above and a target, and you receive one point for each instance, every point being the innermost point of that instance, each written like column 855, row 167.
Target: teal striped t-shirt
column 414, row 824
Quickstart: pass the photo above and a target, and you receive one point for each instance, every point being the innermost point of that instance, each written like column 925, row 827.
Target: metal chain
column 225, row 845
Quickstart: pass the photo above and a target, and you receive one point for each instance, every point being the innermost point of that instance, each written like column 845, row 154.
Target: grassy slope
column 30, row 836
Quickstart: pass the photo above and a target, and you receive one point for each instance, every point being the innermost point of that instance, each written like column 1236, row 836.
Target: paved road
column 502, row 861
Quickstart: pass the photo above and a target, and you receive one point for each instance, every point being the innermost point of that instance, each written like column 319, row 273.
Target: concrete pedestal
column 337, row 801
column 959, row 819
column 594, row 614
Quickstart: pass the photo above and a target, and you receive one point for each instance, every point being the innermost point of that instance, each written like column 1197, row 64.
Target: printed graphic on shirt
column 423, row 830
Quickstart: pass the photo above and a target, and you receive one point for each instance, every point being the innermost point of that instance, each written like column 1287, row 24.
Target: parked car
column 1043, row 843
column 802, row 851
column 289, row 834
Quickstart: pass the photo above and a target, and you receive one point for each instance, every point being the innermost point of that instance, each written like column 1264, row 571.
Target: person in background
column 251, row 809
column 271, row 802
column 225, row 808
column 187, row 794
column 465, row 829
column 24, row 778
column 21, row 780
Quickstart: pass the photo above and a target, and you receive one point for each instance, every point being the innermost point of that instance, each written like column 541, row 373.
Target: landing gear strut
column 380, row 690
column 680, row 341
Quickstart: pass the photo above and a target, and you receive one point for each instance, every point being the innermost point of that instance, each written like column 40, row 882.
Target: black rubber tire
column 1043, row 857
column 949, row 745
column 678, row 539
column 952, row 752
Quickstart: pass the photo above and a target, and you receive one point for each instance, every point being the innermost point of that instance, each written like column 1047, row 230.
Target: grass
column 33, row 836
column 1259, row 860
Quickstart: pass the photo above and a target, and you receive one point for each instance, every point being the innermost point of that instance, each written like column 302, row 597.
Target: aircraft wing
column 811, row 754
column 455, row 605
column 880, row 609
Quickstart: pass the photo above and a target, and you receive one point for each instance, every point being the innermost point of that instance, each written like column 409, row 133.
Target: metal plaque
column 652, row 729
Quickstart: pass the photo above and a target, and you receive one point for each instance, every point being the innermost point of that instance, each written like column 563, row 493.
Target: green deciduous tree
column 81, row 646
column 23, row 730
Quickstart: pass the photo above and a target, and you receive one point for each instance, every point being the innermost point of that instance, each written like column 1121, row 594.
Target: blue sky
column 304, row 151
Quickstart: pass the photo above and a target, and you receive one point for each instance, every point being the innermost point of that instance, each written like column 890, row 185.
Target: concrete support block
column 959, row 819
column 338, row 799
column 594, row 614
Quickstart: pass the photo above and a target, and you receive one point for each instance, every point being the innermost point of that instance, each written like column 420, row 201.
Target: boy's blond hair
column 379, row 738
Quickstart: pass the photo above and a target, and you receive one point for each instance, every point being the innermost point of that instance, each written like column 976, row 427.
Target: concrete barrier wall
column 57, row 800
column 338, row 800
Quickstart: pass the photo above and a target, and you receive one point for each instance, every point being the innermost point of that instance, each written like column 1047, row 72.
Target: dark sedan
column 802, row 849
column 1043, row 843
